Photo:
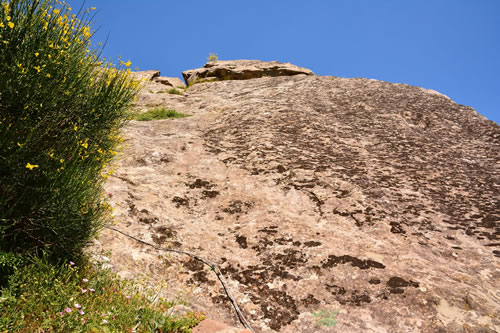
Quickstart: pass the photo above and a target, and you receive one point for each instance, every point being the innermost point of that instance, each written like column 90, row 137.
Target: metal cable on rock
column 212, row 265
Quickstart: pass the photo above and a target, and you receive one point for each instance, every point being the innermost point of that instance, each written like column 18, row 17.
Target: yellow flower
column 56, row 11
column 8, row 18
column 2, row 25
column 128, row 63
column 61, row 160
column 36, row 54
column 85, row 145
column 38, row 69
column 48, row 75
column 11, row 25
column 31, row 166
column 20, row 145
column 75, row 128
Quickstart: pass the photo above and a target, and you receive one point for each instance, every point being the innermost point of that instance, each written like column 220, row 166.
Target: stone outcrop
column 173, row 82
column 242, row 70
column 330, row 204
column 146, row 75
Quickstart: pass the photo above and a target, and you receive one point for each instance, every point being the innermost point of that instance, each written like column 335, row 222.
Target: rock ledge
column 241, row 70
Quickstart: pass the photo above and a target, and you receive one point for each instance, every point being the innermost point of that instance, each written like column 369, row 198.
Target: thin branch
column 212, row 265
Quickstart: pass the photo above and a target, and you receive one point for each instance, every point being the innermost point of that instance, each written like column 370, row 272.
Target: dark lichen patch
column 290, row 258
column 268, row 230
column 148, row 219
column 396, row 228
column 242, row 241
column 163, row 233
column 199, row 183
column 355, row 262
column 395, row 285
column 335, row 289
column 374, row 281
column 312, row 244
column 282, row 314
column 309, row 301
column 238, row 207
column 194, row 265
column 180, row 201
column 276, row 305
column 352, row 297
column 280, row 169
column 209, row 194
column 358, row 298
column 282, row 240
column 201, row 277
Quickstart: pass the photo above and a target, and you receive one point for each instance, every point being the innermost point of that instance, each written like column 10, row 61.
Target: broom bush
column 61, row 109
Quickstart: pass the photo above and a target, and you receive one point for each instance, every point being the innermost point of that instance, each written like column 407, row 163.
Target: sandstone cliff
column 320, row 198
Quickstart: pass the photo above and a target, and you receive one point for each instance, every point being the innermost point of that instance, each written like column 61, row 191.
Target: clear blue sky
column 452, row 46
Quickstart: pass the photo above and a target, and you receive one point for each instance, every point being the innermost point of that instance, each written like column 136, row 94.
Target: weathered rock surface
column 330, row 204
column 173, row 82
column 146, row 75
column 242, row 70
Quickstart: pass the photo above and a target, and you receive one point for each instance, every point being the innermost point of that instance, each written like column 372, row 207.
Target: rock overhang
column 241, row 70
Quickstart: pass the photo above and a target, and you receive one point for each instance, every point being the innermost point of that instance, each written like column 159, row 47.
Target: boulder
column 241, row 70
column 324, row 201
column 173, row 82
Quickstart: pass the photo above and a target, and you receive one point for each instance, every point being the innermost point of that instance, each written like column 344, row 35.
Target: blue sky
column 452, row 46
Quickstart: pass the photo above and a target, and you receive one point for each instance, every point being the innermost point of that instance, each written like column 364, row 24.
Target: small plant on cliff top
column 213, row 57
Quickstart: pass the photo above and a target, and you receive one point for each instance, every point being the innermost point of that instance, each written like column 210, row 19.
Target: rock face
column 242, row 70
column 330, row 205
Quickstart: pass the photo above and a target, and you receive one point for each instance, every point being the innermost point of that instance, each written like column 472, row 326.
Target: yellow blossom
column 20, row 145
column 38, row 69
column 11, row 25
column 48, row 75
column 37, row 54
column 2, row 25
column 75, row 128
column 31, row 166
column 61, row 160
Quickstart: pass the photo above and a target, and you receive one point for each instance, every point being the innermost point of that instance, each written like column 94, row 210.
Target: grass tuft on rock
column 174, row 91
column 159, row 113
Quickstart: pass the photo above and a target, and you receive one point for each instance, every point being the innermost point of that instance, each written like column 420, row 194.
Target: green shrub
column 44, row 297
column 61, row 108
column 159, row 113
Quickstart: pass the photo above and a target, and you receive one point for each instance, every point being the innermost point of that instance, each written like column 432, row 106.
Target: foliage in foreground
column 61, row 109
column 43, row 297
column 159, row 113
